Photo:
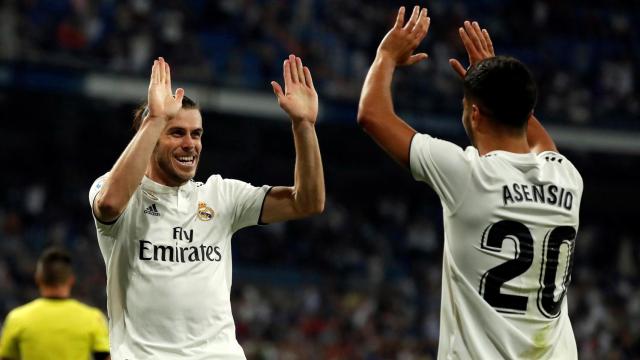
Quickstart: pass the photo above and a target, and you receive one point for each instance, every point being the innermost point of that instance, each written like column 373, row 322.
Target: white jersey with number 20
column 510, row 224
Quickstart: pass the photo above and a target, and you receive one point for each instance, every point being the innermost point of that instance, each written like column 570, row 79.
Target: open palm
column 161, row 101
column 299, row 98
column 478, row 44
column 402, row 40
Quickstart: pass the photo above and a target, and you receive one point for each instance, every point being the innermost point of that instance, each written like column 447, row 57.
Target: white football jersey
column 168, row 260
column 510, row 223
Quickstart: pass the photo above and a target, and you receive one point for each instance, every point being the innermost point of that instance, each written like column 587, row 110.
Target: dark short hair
column 504, row 90
column 55, row 266
column 140, row 112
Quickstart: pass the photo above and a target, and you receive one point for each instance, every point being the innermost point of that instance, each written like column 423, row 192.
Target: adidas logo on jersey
column 152, row 210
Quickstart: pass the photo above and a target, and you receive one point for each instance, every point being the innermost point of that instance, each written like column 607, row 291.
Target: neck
column 55, row 292
column 161, row 178
column 515, row 144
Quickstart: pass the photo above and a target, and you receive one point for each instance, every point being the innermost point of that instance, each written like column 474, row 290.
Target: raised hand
column 299, row 98
column 161, row 101
column 402, row 40
column 477, row 43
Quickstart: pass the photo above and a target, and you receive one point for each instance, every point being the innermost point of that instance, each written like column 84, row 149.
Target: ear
column 475, row 117
column 71, row 280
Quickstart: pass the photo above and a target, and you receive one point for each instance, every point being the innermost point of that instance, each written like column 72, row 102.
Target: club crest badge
column 204, row 213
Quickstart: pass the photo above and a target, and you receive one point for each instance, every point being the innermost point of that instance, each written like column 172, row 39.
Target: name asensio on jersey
column 536, row 193
column 178, row 253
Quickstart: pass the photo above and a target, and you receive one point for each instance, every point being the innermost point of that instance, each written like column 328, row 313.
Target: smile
column 186, row 160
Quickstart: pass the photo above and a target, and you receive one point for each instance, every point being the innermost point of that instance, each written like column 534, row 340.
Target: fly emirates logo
column 179, row 252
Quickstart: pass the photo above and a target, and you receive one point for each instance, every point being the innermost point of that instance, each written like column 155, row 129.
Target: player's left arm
column 538, row 138
column 479, row 46
column 376, row 114
column 300, row 101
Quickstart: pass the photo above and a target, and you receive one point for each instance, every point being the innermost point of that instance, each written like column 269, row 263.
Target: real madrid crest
column 204, row 213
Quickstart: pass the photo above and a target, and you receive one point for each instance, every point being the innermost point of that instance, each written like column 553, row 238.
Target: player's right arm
column 479, row 46
column 375, row 112
column 126, row 175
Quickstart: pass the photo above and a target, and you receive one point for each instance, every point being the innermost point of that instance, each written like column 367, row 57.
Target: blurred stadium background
column 363, row 279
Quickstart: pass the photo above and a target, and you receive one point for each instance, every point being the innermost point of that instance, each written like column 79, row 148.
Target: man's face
column 177, row 153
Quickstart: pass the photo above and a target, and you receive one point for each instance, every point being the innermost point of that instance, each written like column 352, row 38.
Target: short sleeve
column 93, row 192
column 95, row 188
column 100, row 333
column 443, row 165
column 247, row 202
column 106, row 228
column 9, row 339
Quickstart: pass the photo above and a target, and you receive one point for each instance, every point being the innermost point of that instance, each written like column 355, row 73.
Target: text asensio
column 543, row 194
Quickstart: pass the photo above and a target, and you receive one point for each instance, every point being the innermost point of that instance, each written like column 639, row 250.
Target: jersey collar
column 518, row 157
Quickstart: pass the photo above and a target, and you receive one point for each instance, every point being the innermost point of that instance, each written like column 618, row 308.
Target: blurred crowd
column 585, row 54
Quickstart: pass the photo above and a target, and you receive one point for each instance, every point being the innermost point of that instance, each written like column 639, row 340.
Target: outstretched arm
column 126, row 175
column 479, row 46
column 300, row 101
column 375, row 112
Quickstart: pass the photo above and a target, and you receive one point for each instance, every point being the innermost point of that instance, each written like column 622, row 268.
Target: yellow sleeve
column 9, row 339
column 100, row 333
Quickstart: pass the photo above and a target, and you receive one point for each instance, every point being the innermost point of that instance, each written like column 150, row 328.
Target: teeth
column 185, row 158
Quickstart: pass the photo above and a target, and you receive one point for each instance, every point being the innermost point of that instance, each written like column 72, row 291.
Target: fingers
column 154, row 70
column 468, row 44
column 478, row 32
column 400, row 18
column 296, row 73
column 476, row 41
column 458, row 68
column 293, row 69
column 428, row 21
column 471, row 33
column 307, row 76
column 422, row 26
column 413, row 19
column 167, row 74
column 277, row 89
column 286, row 73
column 488, row 41
column 162, row 70
column 421, row 20
column 417, row 58
column 300, row 71
column 179, row 95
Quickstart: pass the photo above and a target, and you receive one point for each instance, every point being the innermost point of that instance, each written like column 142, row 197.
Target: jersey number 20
column 494, row 278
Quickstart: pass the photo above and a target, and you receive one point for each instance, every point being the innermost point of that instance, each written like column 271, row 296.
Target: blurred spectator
column 581, row 53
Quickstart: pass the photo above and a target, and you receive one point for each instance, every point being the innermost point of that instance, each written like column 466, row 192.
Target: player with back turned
column 510, row 202
column 166, row 240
